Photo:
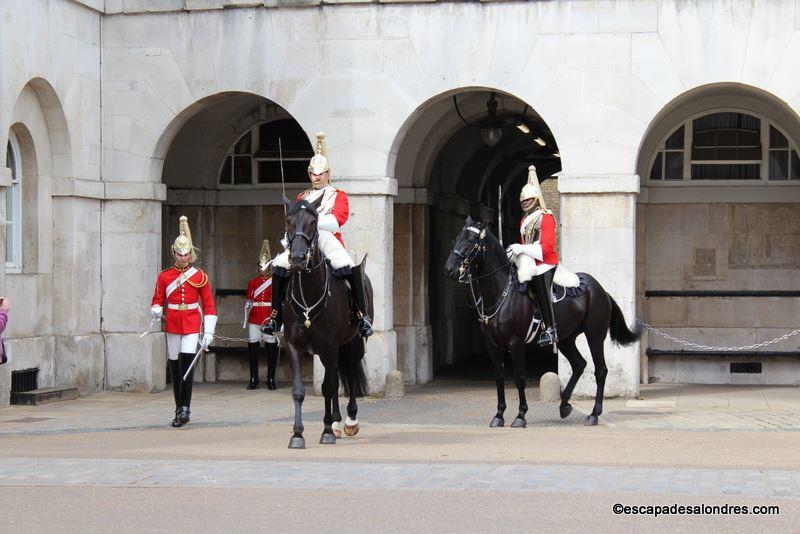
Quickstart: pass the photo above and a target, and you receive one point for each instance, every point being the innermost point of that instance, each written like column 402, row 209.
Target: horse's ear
column 288, row 203
column 317, row 203
column 469, row 221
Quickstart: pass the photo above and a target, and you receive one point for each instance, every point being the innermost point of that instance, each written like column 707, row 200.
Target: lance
column 500, row 213
column 283, row 181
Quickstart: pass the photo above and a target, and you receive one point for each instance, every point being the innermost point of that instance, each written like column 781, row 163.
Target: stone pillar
column 369, row 232
column 131, row 262
column 598, row 236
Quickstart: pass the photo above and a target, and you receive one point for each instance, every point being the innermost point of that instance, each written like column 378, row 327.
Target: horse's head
column 467, row 248
column 301, row 231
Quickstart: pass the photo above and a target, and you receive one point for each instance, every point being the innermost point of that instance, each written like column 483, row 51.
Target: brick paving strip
column 385, row 475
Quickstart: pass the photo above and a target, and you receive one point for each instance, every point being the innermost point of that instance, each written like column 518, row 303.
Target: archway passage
column 223, row 170
column 462, row 153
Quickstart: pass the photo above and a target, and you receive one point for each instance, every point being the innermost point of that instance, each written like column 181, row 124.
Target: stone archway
column 222, row 170
column 446, row 170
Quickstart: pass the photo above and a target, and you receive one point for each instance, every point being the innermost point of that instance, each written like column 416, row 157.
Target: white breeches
column 331, row 248
column 527, row 268
column 177, row 343
column 254, row 334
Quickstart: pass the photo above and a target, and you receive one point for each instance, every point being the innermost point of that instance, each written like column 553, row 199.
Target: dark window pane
column 9, row 156
column 727, row 153
column 777, row 139
column 753, row 154
column 726, row 119
column 778, row 164
column 269, row 172
column 655, row 172
column 676, row 139
column 293, row 140
column 703, row 139
column 225, row 173
column 704, row 154
column 749, row 138
column 244, row 144
column 673, row 168
column 242, row 173
column 727, row 138
column 707, row 171
column 795, row 169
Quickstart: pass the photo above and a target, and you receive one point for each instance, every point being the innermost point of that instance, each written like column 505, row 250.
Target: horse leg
column 578, row 364
column 351, row 426
column 356, row 380
column 497, row 360
column 297, row 440
column 600, row 373
column 337, row 415
column 518, row 359
column 328, row 391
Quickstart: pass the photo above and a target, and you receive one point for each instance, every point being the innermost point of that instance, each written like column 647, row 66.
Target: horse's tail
column 620, row 333
column 351, row 367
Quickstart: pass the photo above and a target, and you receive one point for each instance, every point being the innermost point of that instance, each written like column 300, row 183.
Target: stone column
column 369, row 232
column 598, row 236
column 131, row 234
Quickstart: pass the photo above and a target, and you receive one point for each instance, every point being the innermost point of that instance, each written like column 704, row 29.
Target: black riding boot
column 357, row 283
column 252, row 353
column 186, row 389
column 542, row 286
column 175, row 376
column 280, row 278
column 272, row 364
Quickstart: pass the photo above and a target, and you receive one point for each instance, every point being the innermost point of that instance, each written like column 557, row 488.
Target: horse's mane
column 293, row 208
column 493, row 246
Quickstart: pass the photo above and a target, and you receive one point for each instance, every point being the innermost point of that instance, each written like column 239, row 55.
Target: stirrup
column 364, row 326
column 547, row 337
column 270, row 327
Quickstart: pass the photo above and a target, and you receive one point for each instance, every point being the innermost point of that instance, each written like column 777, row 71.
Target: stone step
column 44, row 395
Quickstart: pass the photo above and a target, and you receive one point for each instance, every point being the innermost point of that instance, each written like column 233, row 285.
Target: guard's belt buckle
column 183, row 306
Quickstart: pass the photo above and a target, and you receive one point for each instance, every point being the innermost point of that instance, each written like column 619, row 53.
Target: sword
column 196, row 356
column 500, row 213
column 283, row 182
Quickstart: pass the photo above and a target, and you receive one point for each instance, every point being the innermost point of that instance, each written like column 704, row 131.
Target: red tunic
column 547, row 238
column 334, row 201
column 259, row 313
column 195, row 291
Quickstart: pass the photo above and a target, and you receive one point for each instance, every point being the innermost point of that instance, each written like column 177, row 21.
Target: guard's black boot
column 175, row 376
column 275, row 320
column 272, row 364
column 186, row 388
column 252, row 353
column 542, row 286
column 357, row 283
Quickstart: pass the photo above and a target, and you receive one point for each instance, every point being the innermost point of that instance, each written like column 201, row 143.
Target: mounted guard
column 334, row 210
column 257, row 309
column 180, row 291
column 535, row 255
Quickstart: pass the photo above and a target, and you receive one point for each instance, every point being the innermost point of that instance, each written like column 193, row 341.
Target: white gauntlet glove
column 513, row 250
column 156, row 310
column 328, row 222
column 209, row 324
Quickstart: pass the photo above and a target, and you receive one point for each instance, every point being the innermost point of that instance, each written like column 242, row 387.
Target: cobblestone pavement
column 392, row 476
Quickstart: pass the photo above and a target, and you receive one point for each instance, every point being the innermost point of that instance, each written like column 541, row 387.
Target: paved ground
column 427, row 462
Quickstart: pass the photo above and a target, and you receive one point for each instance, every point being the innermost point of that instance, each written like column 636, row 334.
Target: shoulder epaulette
column 203, row 280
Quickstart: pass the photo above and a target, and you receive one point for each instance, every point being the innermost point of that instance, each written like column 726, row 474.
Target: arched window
column 729, row 145
column 255, row 158
column 13, row 207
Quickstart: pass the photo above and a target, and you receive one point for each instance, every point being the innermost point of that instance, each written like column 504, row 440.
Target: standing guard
column 182, row 289
column 257, row 309
column 333, row 210
column 535, row 256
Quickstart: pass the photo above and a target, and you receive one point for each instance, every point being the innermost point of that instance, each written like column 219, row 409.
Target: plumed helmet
column 264, row 257
column 532, row 189
column 319, row 163
column 183, row 243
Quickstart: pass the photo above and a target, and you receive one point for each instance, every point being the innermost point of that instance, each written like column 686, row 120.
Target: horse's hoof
column 497, row 422
column 337, row 428
column 519, row 422
column 327, row 439
column 297, row 442
column 351, row 427
column 591, row 420
column 565, row 410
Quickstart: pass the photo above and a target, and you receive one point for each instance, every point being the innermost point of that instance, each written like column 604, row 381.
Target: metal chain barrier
column 726, row 349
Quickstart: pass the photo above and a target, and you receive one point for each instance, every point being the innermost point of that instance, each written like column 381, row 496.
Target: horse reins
column 464, row 269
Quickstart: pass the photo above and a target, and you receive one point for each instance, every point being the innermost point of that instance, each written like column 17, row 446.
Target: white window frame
column 14, row 196
column 255, row 141
column 687, row 161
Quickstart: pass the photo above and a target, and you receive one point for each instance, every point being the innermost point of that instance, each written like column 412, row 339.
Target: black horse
column 506, row 314
column 321, row 322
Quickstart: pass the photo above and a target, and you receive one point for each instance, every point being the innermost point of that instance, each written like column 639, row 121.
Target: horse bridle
column 466, row 260
column 312, row 244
